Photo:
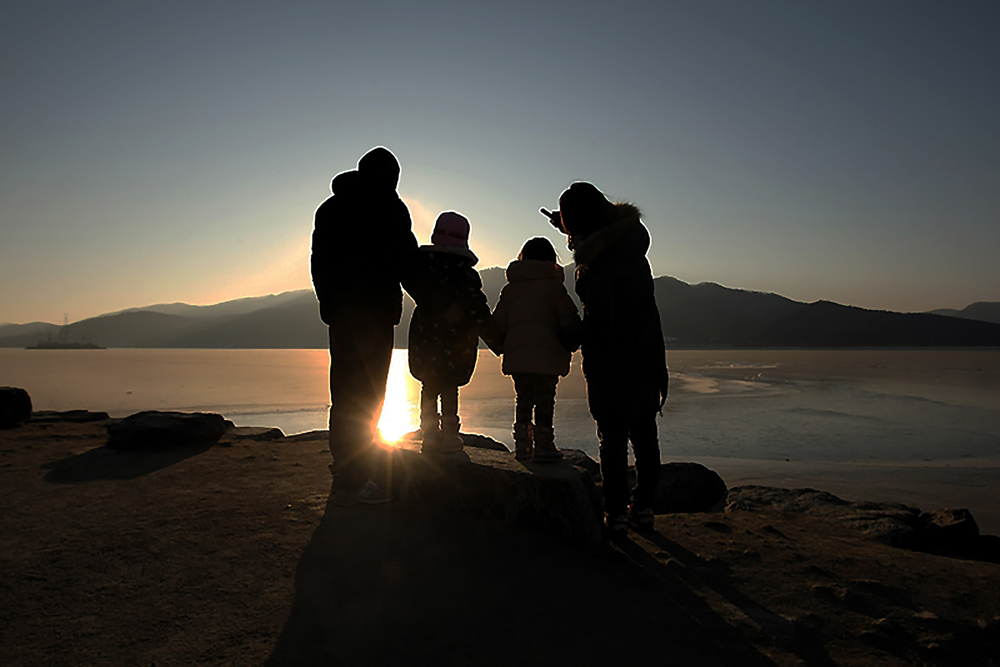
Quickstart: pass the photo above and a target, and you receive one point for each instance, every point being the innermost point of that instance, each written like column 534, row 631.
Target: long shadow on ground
column 394, row 583
column 107, row 463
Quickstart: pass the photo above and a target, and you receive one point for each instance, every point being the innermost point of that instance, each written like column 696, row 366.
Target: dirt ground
column 241, row 554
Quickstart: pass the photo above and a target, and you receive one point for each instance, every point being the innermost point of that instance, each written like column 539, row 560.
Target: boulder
column 685, row 487
column 261, row 433
column 469, row 439
column 889, row 523
column 688, row 487
column 309, row 436
column 154, row 429
column 483, row 442
column 558, row 498
column 15, row 407
column 946, row 531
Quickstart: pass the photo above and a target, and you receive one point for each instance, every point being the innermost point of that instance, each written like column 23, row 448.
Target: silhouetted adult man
column 360, row 245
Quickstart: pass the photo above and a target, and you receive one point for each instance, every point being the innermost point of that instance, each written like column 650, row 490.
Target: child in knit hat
column 451, row 315
column 541, row 328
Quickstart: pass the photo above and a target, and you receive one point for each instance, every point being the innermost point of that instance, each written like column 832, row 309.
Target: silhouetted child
column 541, row 328
column 450, row 316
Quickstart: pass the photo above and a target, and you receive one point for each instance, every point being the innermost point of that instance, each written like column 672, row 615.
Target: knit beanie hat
column 452, row 230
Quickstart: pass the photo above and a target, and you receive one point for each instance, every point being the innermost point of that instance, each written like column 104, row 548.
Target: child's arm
column 479, row 311
column 499, row 327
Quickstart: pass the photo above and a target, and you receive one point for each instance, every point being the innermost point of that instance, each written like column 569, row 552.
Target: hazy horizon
column 155, row 154
column 310, row 289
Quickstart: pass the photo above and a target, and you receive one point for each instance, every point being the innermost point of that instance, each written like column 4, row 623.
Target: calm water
column 917, row 427
column 762, row 404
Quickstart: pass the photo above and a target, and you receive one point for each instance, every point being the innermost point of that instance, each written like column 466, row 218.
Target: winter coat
column 360, row 245
column 451, row 312
column 622, row 336
column 533, row 310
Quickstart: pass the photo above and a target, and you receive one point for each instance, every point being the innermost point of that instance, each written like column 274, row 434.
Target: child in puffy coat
column 450, row 316
column 541, row 328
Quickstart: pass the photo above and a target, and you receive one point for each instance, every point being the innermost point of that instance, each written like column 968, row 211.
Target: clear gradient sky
column 172, row 151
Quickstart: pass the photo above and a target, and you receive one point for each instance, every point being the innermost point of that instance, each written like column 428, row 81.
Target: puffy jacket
column 536, row 317
column 450, row 316
column 361, row 243
column 622, row 335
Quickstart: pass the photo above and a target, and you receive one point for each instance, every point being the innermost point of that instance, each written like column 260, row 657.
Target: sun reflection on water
column 400, row 412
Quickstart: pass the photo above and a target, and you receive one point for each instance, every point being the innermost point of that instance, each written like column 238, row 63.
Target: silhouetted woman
column 624, row 359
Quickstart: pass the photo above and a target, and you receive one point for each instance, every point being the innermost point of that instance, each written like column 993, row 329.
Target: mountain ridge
column 701, row 315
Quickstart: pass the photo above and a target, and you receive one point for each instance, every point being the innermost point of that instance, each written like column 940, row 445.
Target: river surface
column 767, row 404
column 875, row 414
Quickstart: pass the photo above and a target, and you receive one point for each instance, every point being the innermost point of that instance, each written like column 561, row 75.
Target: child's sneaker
column 372, row 494
column 617, row 526
column 643, row 519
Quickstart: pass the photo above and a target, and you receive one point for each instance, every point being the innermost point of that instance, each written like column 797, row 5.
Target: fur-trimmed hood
column 624, row 237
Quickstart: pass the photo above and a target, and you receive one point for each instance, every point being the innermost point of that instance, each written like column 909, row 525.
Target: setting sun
column 400, row 410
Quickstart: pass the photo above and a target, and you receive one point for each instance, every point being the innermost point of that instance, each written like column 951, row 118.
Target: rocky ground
column 242, row 553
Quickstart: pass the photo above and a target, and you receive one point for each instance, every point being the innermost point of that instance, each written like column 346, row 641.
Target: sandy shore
column 241, row 554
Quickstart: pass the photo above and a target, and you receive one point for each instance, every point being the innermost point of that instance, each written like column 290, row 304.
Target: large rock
column 260, row 433
column 688, row 487
column 558, row 498
column 412, row 439
column 946, row 532
column 15, row 407
column 154, row 429
column 889, row 523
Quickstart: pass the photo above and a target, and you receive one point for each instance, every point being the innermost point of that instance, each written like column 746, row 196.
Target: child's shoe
column 430, row 432
column 545, row 446
column 523, row 447
column 642, row 519
column 451, row 441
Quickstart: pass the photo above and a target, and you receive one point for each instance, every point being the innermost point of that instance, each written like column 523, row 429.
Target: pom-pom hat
column 452, row 230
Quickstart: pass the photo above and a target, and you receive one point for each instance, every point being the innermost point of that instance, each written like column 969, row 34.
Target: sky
column 157, row 152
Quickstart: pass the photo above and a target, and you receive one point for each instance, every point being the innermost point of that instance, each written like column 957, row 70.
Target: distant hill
column 234, row 307
column 984, row 311
column 708, row 314
column 702, row 315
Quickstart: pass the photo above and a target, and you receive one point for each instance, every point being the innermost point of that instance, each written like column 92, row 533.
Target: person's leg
column 523, row 402
column 612, row 433
column 450, row 424
column 544, row 399
column 645, row 444
column 430, row 419
column 359, row 367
